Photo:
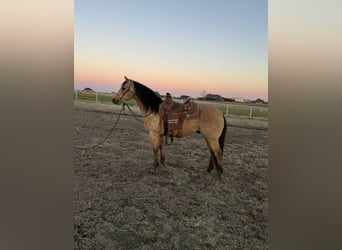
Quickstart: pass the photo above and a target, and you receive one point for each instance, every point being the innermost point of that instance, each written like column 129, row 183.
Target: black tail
column 223, row 134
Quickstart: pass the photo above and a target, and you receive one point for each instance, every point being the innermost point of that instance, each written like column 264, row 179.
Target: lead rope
column 109, row 134
column 135, row 115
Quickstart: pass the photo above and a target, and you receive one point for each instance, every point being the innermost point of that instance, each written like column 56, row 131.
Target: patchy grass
column 120, row 204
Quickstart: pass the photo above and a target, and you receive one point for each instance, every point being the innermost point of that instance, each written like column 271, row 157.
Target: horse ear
column 126, row 78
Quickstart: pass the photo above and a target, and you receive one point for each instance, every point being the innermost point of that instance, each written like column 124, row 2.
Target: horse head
column 126, row 92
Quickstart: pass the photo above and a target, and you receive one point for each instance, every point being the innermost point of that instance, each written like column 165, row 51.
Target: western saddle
column 173, row 114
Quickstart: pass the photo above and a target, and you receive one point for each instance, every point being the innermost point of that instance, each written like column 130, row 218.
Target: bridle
column 126, row 91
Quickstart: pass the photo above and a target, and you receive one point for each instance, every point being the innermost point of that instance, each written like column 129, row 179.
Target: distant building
column 88, row 89
column 213, row 97
column 228, row 99
column 239, row 99
column 184, row 97
column 259, row 101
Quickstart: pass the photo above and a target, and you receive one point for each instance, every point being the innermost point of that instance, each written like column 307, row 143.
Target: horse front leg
column 156, row 141
column 155, row 158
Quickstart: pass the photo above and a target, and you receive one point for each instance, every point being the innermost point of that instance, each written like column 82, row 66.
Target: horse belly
column 211, row 121
column 189, row 126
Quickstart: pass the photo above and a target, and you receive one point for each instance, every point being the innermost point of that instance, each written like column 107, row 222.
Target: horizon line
column 178, row 96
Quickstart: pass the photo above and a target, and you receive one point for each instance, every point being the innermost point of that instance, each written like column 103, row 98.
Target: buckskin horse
column 209, row 121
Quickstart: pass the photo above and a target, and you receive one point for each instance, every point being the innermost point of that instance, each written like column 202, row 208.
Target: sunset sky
column 190, row 47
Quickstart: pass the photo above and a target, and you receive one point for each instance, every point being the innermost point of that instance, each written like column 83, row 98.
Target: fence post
column 76, row 94
column 227, row 110
column 97, row 96
column 250, row 113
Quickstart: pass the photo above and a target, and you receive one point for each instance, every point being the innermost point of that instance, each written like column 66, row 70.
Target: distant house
column 213, row 97
column 259, row 101
column 239, row 99
column 228, row 99
column 88, row 89
column 184, row 97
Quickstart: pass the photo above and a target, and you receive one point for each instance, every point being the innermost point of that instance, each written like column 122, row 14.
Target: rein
column 135, row 115
column 109, row 134
column 124, row 93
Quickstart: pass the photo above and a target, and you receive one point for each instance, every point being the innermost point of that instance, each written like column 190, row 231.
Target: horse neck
column 143, row 110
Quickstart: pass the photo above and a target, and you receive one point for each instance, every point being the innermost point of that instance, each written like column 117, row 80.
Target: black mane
column 148, row 97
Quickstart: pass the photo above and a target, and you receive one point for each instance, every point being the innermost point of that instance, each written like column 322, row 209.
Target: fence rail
column 249, row 111
column 228, row 109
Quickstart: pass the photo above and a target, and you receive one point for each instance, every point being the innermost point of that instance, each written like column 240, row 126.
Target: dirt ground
column 120, row 204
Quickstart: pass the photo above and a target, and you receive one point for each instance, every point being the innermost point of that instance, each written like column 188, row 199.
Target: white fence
column 240, row 110
column 228, row 109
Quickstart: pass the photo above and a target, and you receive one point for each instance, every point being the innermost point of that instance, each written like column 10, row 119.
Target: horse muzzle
column 116, row 100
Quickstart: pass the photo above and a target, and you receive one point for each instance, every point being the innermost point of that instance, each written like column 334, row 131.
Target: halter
column 126, row 91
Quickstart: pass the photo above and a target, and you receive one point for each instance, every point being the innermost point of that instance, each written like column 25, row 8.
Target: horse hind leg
column 216, row 157
column 211, row 163
column 218, row 162
column 212, row 157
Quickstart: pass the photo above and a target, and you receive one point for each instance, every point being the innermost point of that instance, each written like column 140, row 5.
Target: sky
column 185, row 47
